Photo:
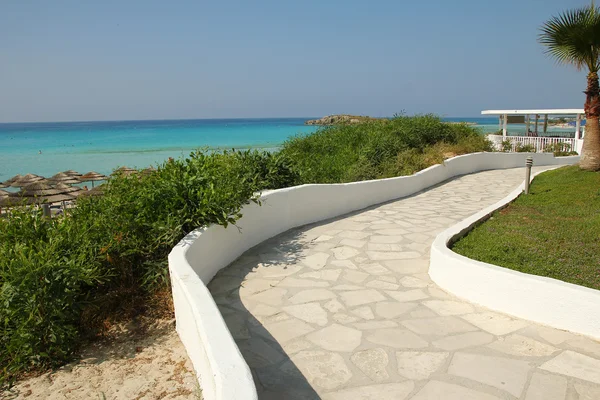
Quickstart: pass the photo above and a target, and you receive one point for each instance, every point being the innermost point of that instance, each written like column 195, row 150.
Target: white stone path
column 345, row 310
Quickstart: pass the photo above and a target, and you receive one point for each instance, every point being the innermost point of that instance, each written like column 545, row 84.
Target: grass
column 553, row 232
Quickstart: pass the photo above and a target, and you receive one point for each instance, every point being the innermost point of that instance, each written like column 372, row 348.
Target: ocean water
column 48, row 148
column 104, row 146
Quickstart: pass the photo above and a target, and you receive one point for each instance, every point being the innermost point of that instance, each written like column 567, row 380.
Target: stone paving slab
column 344, row 309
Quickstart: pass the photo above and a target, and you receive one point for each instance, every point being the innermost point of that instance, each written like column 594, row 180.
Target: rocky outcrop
column 339, row 119
column 461, row 123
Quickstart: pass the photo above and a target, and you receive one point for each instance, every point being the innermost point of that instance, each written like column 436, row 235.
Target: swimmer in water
column 39, row 152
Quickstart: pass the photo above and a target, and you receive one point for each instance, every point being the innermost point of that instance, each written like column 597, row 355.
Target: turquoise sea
column 48, row 148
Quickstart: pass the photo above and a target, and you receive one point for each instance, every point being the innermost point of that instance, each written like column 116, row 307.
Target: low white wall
column 545, row 300
column 220, row 367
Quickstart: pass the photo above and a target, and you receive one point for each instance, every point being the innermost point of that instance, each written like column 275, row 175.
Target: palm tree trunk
column 590, row 154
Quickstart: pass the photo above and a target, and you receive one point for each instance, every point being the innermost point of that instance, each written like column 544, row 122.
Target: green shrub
column 524, row 148
column 370, row 150
column 47, row 270
column 560, row 149
column 62, row 276
column 506, row 146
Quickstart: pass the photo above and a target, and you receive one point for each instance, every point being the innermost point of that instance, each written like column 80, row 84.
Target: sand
column 148, row 365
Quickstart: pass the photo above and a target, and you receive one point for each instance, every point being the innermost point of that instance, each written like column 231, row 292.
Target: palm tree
column 573, row 37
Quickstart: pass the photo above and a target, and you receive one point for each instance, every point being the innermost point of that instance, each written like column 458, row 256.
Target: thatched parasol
column 64, row 178
column 92, row 177
column 36, row 193
column 38, row 189
column 25, row 180
column 70, row 172
column 73, row 190
column 124, row 171
column 15, row 178
column 97, row 191
column 148, row 171
column 3, row 193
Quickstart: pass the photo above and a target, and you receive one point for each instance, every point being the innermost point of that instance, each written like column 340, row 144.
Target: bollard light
column 528, row 165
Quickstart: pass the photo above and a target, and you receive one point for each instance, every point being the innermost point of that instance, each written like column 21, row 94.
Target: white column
column 578, row 127
column 504, row 127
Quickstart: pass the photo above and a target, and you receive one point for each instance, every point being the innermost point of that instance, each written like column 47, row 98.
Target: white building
column 538, row 136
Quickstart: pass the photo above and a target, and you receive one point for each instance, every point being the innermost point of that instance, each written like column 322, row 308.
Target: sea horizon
column 201, row 119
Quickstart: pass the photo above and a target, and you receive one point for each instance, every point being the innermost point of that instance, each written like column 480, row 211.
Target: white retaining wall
column 221, row 369
column 544, row 300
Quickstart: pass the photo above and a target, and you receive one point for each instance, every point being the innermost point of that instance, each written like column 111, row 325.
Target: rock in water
column 339, row 119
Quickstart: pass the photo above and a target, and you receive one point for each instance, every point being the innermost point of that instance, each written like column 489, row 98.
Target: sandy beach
column 149, row 365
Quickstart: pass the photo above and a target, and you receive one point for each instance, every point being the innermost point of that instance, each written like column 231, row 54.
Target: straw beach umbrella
column 26, row 180
column 125, row 171
column 70, row 172
column 13, row 179
column 9, row 182
column 37, row 189
column 61, row 177
column 148, row 171
column 92, row 177
column 73, row 190
column 97, row 191
column 36, row 193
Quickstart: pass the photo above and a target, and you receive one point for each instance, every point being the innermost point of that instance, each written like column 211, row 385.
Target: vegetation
column 380, row 148
column 506, row 146
column 524, row 148
column 63, row 278
column 560, row 149
column 573, row 37
column 554, row 231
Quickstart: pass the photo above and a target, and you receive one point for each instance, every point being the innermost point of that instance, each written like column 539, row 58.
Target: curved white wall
column 545, row 300
column 220, row 367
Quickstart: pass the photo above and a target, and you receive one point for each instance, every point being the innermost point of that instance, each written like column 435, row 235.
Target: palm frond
column 573, row 37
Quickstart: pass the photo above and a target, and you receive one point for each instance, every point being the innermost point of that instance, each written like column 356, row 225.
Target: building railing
column 538, row 144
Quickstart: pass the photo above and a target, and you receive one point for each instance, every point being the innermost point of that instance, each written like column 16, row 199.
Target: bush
column 62, row 277
column 371, row 150
column 524, row 148
column 46, row 274
column 560, row 149
column 506, row 146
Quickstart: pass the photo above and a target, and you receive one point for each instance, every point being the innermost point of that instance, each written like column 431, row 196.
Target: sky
column 73, row 60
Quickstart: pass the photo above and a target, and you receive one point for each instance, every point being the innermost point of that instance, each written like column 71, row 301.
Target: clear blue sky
column 128, row 59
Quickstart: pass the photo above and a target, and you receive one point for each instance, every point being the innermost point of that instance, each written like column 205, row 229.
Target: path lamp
column 528, row 165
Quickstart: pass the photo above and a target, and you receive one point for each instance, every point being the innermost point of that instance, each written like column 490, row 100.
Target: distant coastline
column 338, row 119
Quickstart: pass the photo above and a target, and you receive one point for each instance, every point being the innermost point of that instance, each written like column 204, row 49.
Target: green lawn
column 553, row 232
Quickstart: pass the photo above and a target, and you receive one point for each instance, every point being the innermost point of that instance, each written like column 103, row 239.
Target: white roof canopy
column 558, row 111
